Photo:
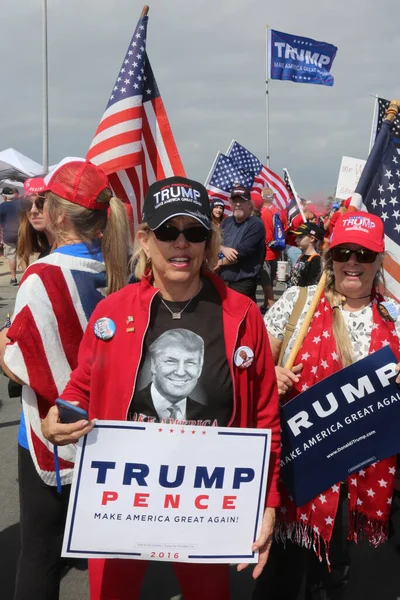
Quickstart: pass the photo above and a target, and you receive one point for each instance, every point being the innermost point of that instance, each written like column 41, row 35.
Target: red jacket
column 267, row 217
column 105, row 378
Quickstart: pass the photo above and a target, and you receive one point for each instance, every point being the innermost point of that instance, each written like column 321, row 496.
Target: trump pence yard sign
column 168, row 492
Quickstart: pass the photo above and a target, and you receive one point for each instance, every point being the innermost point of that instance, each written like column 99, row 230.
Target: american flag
column 379, row 188
column 263, row 177
column 223, row 176
column 134, row 143
column 56, row 297
column 381, row 107
column 292, row 208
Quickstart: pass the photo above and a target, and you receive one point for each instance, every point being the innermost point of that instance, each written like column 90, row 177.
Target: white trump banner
column 168, row 492
column 349, row 175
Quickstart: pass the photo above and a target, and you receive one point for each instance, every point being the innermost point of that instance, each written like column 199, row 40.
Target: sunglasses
column 362, row 255
column 28, row 204
column 169, row 233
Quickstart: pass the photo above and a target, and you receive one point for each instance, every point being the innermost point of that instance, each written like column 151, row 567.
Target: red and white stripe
column 267, row 178
column 135, row 146
column 49, row 320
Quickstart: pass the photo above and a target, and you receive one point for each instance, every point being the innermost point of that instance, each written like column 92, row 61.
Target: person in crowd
column 257, row 202
column 353, row 320
column 333, row 217
column 292, row 249
column 10, row 211
column 307, row 269
column 55, row 299
column 176, row 249
column 243, row 249
column 268, row 273
column 35, row 235
column 217, row 211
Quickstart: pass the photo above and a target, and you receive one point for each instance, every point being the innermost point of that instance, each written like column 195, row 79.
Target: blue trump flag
column 299, row 59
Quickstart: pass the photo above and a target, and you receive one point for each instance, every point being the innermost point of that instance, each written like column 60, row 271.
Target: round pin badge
column 104, row 329
column 243, row 357
column 388, row 311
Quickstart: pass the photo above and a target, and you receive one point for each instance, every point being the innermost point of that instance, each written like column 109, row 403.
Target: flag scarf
column 262, row 175
column 299, row 59
column 134, row 143
column 370, row 490
column 379, row 190
column 55, row 299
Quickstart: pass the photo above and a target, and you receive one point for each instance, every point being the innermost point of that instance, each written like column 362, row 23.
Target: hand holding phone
column 69, row 413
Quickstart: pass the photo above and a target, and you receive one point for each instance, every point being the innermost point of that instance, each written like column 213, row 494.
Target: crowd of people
column 193, row 303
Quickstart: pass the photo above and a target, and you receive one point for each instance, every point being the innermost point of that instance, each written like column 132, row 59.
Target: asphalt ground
column 375, row 574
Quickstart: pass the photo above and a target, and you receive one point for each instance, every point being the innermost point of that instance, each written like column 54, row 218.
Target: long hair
column 30, row 241
column 336, row 300
column 140, row 263
column 111, row 230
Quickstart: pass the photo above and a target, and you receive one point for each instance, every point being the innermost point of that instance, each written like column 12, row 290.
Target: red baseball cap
column 34, row 185
column 257, row 200
column 76, row 180
column 362, row 228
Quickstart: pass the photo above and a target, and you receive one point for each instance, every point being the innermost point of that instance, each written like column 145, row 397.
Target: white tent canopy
column 16, row 166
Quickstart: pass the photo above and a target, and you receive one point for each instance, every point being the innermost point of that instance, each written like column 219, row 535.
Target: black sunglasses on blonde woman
column 169, row 233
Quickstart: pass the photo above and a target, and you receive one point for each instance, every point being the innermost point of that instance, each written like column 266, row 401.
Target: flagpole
column 373, row 126
column 267, row 93
column 45, row 101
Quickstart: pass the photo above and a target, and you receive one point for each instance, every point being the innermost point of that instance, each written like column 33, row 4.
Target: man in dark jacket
column 9, row 220
column 243, row 249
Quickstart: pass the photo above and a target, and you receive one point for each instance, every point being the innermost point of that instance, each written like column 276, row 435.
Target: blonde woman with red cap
column 56, row 297
column 351, row 321
column 181, row 363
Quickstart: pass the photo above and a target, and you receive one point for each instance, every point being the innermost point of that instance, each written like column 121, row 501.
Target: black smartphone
column 69, row 413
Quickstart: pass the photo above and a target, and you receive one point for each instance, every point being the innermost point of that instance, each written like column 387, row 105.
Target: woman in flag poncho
column 56, row 297
column 351, row 321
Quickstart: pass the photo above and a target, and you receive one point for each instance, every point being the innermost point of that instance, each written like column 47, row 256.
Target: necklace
column 358, row 298
column 177, row 315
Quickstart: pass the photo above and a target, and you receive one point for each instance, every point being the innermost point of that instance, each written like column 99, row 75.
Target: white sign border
column 265, row 433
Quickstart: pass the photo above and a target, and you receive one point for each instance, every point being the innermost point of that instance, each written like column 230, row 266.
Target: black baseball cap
column 7, row 191
column 241, row 191
column 175, row 197
column 310, row 229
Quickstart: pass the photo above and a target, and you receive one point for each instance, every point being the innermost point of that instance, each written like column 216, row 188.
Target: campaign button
column 104, row 329
column 388, row 311
column 243, row 357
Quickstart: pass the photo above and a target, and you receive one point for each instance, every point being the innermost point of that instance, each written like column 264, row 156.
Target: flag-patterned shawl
column 56, row 297
column 370, row 490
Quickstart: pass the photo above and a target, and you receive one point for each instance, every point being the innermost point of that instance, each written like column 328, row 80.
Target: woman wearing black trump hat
column 179, row 342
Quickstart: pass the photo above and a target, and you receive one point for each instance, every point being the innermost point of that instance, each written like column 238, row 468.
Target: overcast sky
column 208, row 58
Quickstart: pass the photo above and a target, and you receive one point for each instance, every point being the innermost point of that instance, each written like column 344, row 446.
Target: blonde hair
column 336, row 300
column 110, row 229
column 30, row 241
column 140, row 263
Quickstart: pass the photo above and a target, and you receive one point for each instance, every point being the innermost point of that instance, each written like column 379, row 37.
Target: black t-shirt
column 184, row 374
column 306, row 271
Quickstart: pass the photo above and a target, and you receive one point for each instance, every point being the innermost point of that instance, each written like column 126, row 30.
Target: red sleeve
column 267, row 403
column 332, row 222
column 297, row 221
